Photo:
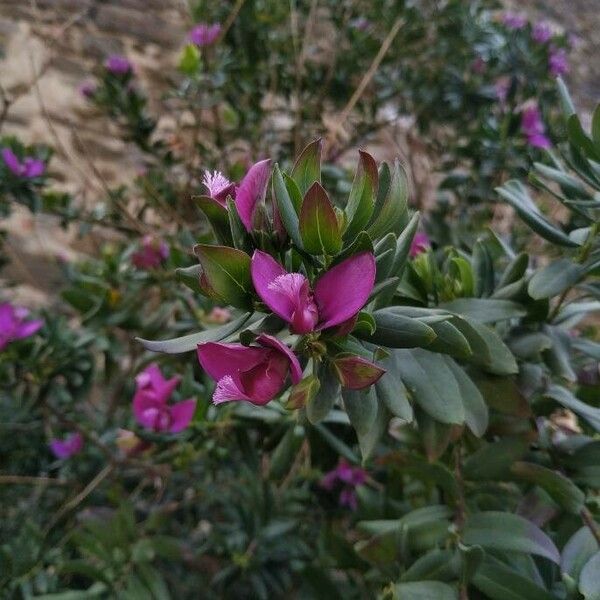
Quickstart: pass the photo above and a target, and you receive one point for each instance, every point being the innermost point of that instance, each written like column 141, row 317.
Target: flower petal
column 220, row 360
column 252, row 188
column 272, row 342
column 264, row 382
column 182, row 414
column 228, row 390
column 28, row 328
column 264, row 270
column 145, row 408
column 343, row 290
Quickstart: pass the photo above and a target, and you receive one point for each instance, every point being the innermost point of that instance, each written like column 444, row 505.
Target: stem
column 461, row 510
column 588, row 519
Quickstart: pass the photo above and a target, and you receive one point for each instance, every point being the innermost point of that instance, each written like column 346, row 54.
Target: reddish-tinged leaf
column 318, row 223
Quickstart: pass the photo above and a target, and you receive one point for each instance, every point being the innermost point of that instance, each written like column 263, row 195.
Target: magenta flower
column 338, row 294
column 349, row 478
column 514, row 20
column 118, row 65
column 151, row 253
column 28, row 168
column 13, row 324
column 254, row 374
column 558, row 62
column 533, row 127
column 420, row 243
column 360, row 24
column 246, row 195
column 150, row 406
column 204, row 34
column 542, row 32
column 68, row 447
column 87, row 89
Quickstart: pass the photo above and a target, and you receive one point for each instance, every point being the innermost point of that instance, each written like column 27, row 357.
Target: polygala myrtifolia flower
column 151, row 254
column 533, row 128
column 253, row 373
column 337, row 295
column 150, row 403
column 67, row 447
column 14, row 324
column 348, row 478
column 28, row 168
column 205, row 34
column 419, row 244
column 118, row 65
column 246, row 196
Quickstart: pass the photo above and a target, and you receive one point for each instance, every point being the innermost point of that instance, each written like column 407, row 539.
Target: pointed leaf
column 227, row 273
column 391, row 210
column 287, row 210
column 362, row 196
column 318, row 223
column 307, row 168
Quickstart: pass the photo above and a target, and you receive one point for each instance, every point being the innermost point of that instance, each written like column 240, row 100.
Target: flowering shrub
column 330, row 395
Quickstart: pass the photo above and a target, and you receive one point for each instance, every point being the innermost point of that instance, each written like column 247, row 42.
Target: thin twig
column 230, row 19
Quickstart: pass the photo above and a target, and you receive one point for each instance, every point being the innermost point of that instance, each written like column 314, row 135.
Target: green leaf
column 565, row 98
column 190, row 276
column 286, row 207
column 463, row 271
column 226, row 272
column 489, row 351
column 361, row 406
column 589, row 579
column 362, row 196
column 190, row 61
column 483, row 269
column 424, row 590
column 431, row 384
column 577, row 551
column 307, row 168
column 396, row 331
column 485, row 310
column 318, row 223
column 561, row 489
column 437, row 565
column 596, row 126
column 391, row 209
column 493, row 460
column 506, row 531
column 515, row 270
column 368, row 440
column 500, row 582
column 579, row 138
column 476, row 410
column 217, row 217
column 449, row 340
column 188, row 343
column 555, row 278
column 515, row 193
column 285, row 452
column 392, row 393
column 319, row 406
column 238, row 234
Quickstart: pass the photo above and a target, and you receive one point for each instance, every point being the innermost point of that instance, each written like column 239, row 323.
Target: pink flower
column 533, row 127
column 558, row 62
column 150, row 406
column 204, row 34
column 118, row 65
column 419, row 244
column 219, row 315
column 254, row 374
column 28, row 168
column 360, row 24
column 541, row 32
column 349, row 478
column 514, row 20
column 338, row 294
column 66, row 448
column 218, row 186
column 246, row 195
column 87, row 89
column 13, row 325
column 151, row 254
